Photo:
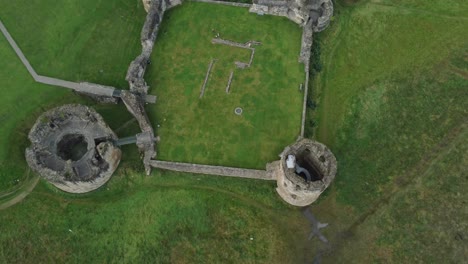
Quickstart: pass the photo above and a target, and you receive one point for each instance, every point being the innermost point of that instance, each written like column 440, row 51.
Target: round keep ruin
column 305, row 170
column 73, row 148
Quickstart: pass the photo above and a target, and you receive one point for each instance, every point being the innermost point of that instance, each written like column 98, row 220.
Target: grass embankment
column 392, row 101
column 206, row 130
column 167, row 218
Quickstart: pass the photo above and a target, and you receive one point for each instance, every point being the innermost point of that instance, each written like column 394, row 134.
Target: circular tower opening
column 72, row 147
column 305, row 170
column 308, row 167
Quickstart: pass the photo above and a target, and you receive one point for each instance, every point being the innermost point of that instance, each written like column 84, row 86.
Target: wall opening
column 72, row 147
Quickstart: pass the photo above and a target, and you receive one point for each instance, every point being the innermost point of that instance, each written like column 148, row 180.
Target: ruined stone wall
column 56, row 131
column 223, row 3
column 212, row 170
column 294, row 189
column 319, row 12
column 135, row 99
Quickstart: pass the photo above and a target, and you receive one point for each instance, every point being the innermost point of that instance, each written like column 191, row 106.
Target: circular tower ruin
column 305, row 170
column 73, row 148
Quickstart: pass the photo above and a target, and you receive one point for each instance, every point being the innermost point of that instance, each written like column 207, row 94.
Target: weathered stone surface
column 293, row 188
column 318, row 12
column 135, row 99
column 212, row 170
column 145, row 141
column 169, row 4
column 72, row 147
column 223, row 3
column 149, row 32
column 100, row 98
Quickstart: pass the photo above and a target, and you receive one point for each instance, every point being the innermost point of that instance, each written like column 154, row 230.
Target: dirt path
column 16, row 196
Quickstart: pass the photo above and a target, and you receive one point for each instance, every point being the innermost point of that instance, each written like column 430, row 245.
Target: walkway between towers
column 82, row 87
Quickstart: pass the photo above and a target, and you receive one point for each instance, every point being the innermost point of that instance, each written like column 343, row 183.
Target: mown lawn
column 392, row 105
column 206, row 130
column 166, row 218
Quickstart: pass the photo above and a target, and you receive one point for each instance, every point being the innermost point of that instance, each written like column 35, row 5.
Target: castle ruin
column 75, row 150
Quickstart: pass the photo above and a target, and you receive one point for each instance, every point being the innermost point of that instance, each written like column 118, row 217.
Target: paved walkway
column 83, row 87
column 212, row 170
column 18, row 51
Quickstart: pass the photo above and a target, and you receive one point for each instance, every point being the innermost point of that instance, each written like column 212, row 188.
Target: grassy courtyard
column 206, row 130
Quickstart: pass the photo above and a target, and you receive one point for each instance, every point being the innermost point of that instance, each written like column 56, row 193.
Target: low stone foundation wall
column 212, row 170
column 223, row 3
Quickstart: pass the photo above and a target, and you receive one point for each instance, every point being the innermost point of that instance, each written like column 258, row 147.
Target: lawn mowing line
column 202, row 92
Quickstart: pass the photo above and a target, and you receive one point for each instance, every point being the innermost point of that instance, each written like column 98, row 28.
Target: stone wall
column 212, row 170
column 135, row 99
column 51, row 153
column 318, row 12
column 223, row 3
column 293, row 188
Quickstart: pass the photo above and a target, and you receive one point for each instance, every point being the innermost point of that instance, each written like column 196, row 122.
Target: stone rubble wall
column 248, row 45
column 135, row 99
column 212, row 170
column 88, row 173
column 223, row 3
column 207, row 76
column 294, row 189
column 228, row 86
column 298, row 11
column 135, row 106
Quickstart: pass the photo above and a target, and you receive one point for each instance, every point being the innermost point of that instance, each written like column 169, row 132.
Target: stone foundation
column 294, row 188
column 73, row 148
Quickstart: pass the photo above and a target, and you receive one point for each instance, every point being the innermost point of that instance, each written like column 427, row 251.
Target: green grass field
column 206, row 130
column 166, row 218
column 392, row 106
